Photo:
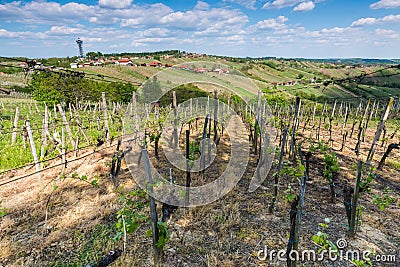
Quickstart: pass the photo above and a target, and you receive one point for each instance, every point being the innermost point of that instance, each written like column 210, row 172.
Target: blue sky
column 254, row 28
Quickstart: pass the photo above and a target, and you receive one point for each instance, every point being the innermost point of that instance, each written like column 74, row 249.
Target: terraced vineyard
column 74, row 176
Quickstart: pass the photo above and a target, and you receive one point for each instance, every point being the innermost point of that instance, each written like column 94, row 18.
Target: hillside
column 80, row 180
column 286, row 77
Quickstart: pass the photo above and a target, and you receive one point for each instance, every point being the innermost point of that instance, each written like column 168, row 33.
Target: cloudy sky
column 255, row 28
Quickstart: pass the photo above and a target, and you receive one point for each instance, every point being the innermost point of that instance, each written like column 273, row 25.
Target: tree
column 94, row 55
column 53, row 88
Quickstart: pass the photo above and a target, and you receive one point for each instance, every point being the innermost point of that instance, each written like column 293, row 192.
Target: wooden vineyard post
column 331, row 122
column 292, row 240
column 257, row 123
column 354, row 202
column 174, row 104
column 209, row 140
column 346, row 118
column 188, row 166
column 66, row 125
column 131, row 104
column 203, row 156
column 278, row 170
column 106, row 129
column 44, row 131
column 157, row 252
column 116, row 163
column 296, row 212
column 334, row 109
column 341, row 109
column 215, row 114
column 63, row 155
column 368, row 119
column 33, row 150
column 15, row 128
column 135, row 111
column 298, row 217
column 292, row 150
column 323, row 110
column 319, row 128
column 295, row 218
column 355, row 119
column 377, row 108
column 313, row 115
column 379, row 131
column 361, row 129
column 344, row 132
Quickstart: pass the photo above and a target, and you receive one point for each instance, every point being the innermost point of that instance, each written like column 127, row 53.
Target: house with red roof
column 124, row 62
column 155, row 64
column 201, row 70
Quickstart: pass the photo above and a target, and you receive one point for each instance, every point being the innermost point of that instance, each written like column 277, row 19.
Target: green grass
column 395, row 164
column 20, row 153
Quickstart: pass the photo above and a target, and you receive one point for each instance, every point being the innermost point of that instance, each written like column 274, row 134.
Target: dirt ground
column 69, row 222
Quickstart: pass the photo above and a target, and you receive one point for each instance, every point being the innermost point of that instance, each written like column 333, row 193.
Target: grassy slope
column 303, row 72
column 265, row 75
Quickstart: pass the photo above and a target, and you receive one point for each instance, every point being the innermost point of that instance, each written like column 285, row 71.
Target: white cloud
column 111, row 26
column 374, row 21
column 281, row 4
column 155, row 32
column 387, row 33
column 385, row 4
column 21, row 35
column 299, row 5
column 40, row 12
column 191, row 20
column 270, row 24
column 334, row 31
column 305, row 6
column 115, row 3
column 65, row 30
column 102, row 20
column 6, row 34
column 246, row 3
column 152, row 40
column 202, row 5
column 364, row 21
column 94, row 39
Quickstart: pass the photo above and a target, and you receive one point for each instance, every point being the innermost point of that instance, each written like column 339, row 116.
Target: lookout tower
column 80, row 45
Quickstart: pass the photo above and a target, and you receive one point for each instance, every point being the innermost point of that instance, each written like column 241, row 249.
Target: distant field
column 308, row 75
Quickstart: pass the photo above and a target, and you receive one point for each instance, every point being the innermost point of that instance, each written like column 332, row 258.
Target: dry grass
column 227, row 232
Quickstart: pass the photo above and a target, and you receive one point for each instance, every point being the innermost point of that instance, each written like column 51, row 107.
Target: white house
column 124, row 62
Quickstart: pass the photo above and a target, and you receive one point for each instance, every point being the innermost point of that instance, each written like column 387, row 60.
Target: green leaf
column 117, row 236
column 333, row 247
column 149, row 233
column 317, row 239
column 131, row 227
column 95, row 183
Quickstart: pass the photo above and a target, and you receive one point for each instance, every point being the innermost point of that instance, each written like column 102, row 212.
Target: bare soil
column 68, row 222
